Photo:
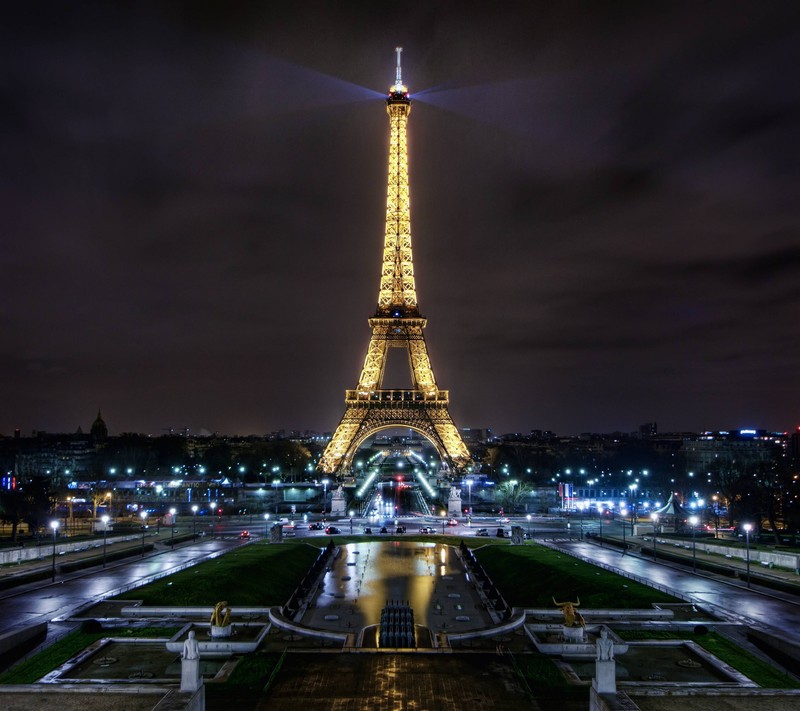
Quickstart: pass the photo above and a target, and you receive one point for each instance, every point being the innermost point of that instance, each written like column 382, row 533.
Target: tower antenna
column 399, row 81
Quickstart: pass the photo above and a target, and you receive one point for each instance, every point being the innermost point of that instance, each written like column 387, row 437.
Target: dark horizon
column 605, row 219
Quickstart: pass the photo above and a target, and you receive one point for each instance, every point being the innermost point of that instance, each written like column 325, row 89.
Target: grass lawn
column 761, row 672
column 62, row 651
column 531, row 576
column 255, row 575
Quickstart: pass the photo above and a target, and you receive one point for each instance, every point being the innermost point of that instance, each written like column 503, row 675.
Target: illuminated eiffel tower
column 397, row 323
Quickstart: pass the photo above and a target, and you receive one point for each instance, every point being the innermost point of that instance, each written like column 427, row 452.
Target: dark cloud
column 604, row 210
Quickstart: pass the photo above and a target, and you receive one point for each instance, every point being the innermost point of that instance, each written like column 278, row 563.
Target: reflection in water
column 368, row 574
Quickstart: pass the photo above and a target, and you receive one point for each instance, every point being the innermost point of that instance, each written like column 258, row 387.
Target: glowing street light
column 747, row 528
column 529, row 525
column 54, row 526
column 105, row 521
column 172, row 513
column 693, row 520
column 143, row 515
column 266, row 524
column 194, row 522
column 325, row 483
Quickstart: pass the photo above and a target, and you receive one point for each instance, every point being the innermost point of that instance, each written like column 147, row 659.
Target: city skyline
column 603, row 204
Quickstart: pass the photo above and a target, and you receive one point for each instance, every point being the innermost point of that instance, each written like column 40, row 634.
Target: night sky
column 605, row 211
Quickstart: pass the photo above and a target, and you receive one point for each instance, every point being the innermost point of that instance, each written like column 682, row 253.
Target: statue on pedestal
column 221, row 620
column 605, row 668
column 191, row 680
column 454, row 502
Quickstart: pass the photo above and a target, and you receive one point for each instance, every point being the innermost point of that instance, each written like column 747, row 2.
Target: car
column 400, row 529
column 332, row 530
column 501, row 533
column 316, row 526
column 452, row 522
column 384, row 529
column 368, row 531
column 245, row 535
column 482, row 532
column 425, row 529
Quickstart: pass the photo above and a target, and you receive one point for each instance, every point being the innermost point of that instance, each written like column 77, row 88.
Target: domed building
column 99, row 429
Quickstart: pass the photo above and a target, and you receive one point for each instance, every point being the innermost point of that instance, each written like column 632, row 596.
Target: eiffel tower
column 397, row 323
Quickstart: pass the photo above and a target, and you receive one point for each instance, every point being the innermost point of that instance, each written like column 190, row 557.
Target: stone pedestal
column 217, row 632
column 191, row 680
column 576, row 635
column 605, row 676
column 338, row 503
column 276, row 533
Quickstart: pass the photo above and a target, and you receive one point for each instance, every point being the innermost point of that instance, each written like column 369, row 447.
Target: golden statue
column 572, row 618
column 221, row 617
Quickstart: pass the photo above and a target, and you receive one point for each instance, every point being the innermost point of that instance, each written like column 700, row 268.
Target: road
column 34, row 603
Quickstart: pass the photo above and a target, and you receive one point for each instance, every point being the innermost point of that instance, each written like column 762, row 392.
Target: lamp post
column 172, row 513
column 443, row 514
column 529, row 525
column 654, row 516
column 747, row 528
column 105, row 521
column 633, row 488
column 143, row 515
column 715, row 499
column 624, row 525
column 266, row 525
column 351, row 522
column 469, row 495
column 54, row 526
column 275, row 483
column 324, row 496
column 194, row 522
column 693, row 520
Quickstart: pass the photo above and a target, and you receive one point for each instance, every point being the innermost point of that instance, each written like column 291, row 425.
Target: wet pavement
column 428, row 576
column 397, row 682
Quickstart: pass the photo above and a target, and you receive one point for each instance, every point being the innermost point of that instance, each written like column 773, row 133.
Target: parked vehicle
column 501, row 533
column 482, row 532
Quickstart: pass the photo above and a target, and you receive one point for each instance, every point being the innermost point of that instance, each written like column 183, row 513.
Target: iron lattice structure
column 397, row 324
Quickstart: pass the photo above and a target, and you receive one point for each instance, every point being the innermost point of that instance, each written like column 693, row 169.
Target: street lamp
column 715, row 499
column 266, row 523
column 633, row 488
column 143, row 514
column 469, row 494
column 194, row 522
column 693, row 520
column 325, row 483
column 624, row 525
column 443, row 515
column 529, row 525
column 105, row 521
column 351, row 521
column 54, row 526
column 654, row 516
column 172, row 513
column 747, row 528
